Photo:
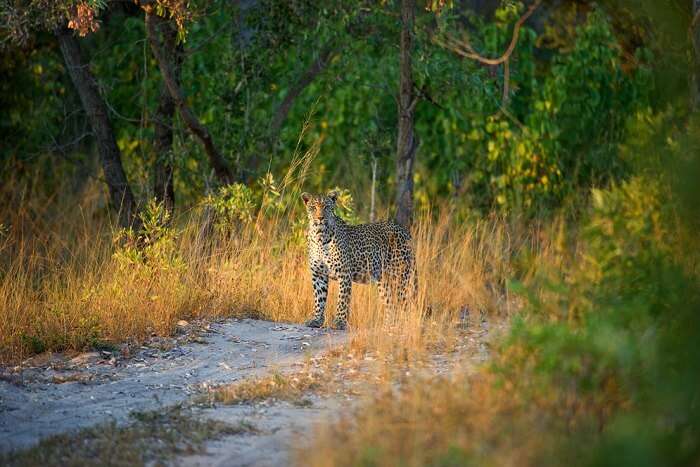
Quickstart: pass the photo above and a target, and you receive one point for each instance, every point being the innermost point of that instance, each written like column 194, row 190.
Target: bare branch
column 465, row 50
column 316, row 67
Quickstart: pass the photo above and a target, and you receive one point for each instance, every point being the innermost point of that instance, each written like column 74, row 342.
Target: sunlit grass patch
column 69, row 283
column 463, row 419
column 276, row 386
column 610, row 312
column 98, row 291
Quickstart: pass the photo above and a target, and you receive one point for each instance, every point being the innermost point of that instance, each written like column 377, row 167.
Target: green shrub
column 153, row 247
column 613, row 339
column 556, row 137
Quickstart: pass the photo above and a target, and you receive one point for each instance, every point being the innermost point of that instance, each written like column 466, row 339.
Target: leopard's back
column 376, row 249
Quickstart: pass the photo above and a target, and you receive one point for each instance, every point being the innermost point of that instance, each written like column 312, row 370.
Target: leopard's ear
column 305, row 197
column 332, row 195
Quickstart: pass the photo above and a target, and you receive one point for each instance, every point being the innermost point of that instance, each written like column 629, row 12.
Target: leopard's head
column 320, row 209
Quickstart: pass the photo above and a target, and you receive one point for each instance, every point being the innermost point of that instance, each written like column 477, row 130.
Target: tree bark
column 221, row 168
column 163, row 172
column 121, row 197
column 695, row 76
column 407, row 143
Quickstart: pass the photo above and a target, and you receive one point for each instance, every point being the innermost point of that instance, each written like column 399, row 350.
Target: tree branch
column 221, row 168
column 316, row 67
column 465, row 50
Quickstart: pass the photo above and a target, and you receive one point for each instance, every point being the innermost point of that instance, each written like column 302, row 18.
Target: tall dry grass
column 65, row 283
column 454, row 420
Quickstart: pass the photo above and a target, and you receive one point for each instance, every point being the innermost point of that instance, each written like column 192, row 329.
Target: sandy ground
column 282, row 428
column 62, row 395
column 285, row 428
column 58, row 394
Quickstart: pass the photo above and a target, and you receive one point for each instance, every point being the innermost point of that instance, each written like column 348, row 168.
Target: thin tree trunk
column 163, row 172
column 695, row 76
column 121, row 197
column 221, row 168
column 406, row 143
column 374, row 189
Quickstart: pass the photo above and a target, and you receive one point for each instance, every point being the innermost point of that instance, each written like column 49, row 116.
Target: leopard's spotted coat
column 378, row 252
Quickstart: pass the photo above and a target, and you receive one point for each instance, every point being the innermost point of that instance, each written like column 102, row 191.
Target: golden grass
column 278, row 386
column 69, row 297
column 66, row 284
column 458, row 420
column 471, row 416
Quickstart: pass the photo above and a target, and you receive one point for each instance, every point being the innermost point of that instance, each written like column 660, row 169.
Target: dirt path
column 283, row 427
column 62, row 395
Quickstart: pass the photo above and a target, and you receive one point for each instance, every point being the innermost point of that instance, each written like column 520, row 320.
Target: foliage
column 562, row 130
column 585, row 102
column 232, row 203
column 154, row 246
column 238, row 206
column 556, row 136
column 618, row 321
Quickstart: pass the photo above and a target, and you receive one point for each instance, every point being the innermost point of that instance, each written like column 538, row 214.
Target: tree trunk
column 121, row 197
column 695, row 76
column 221, row 168
column 407, row 143
column 163, row 172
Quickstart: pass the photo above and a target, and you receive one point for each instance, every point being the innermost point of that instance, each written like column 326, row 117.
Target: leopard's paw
column 340, row 324
column 314, row 323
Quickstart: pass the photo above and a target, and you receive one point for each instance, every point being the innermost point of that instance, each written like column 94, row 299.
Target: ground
column 61, row 395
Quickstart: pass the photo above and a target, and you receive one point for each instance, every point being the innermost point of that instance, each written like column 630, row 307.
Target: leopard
column 377, row 252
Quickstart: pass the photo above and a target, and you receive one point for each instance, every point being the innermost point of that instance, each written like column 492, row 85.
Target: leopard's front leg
column 319, row 279
column 344, row 294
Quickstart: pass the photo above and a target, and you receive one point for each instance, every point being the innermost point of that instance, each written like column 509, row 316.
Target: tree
column 20, row 20
column 221, row 168
column 407, row 143
column 163, row 172
column 121, row 197
column 695, row 38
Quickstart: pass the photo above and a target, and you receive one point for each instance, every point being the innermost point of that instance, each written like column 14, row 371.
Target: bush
column 560, row 141
column 619, row 351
